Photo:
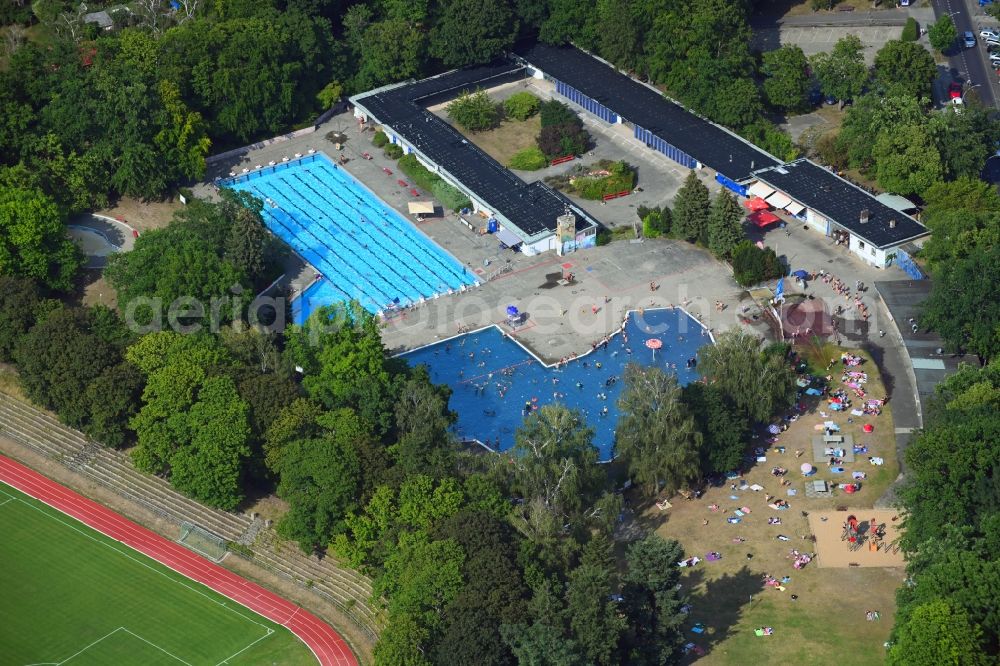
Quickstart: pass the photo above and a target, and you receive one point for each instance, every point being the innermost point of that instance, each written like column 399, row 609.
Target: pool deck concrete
column 613, row 278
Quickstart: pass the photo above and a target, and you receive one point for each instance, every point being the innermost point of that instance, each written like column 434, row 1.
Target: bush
column 559, row 140
column 603, row 236
column 521, row 106
column 621, row 178
column 529, row 159
column 420, row 176
column 557, row 113
column 752, row 265
column 769, row 137
column 831, row 151
column 393, row 151
column 655, row 221
column 449, row 196
column 911, row 32
column 380, row 139
column 474, row 111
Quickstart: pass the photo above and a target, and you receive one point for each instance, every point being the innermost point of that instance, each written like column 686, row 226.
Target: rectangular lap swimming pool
column 364, row 249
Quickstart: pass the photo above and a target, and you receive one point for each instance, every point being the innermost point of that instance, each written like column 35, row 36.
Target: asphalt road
column 969, row 65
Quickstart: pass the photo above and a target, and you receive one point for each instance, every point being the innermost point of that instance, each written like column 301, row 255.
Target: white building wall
column 817, row 222
column 867, row 252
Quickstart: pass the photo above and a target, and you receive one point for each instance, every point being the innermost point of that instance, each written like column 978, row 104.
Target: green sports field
column 69, row 595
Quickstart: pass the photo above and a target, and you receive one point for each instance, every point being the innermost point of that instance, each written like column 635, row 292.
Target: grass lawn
column 508, row 138
column 827, row 620
column 73, row 596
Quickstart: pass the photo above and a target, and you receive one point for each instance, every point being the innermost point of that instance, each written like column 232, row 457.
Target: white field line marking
column 113, row 631
column 226, row 660
column 156, row 646
column 268, row 631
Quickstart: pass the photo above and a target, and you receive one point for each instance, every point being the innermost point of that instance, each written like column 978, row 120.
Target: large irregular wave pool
column 493, row 378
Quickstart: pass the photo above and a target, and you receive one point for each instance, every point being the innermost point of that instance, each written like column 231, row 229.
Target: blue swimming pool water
column 364, row 249
column 493, row 377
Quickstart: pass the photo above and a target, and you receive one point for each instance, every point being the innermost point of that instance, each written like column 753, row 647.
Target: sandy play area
column 828, row 527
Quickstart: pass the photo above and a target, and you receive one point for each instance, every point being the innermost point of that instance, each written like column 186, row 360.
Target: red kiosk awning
column 756, row 203
column 763, row 218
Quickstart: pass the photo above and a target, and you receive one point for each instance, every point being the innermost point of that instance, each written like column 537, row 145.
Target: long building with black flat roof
column 657, row 121
column 526, row 213
column 831, row 205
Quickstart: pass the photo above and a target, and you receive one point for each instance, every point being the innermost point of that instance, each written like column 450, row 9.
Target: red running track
column 330, row 649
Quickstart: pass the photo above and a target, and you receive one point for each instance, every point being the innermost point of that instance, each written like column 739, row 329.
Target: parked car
column 989, row 34
column 955, row 90
column 968, row 39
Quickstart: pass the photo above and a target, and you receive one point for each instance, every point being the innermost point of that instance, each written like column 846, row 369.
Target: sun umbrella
column 511, row 310
column 801, row 274
column 868, row 427
column 806, row 469
column 654, row 344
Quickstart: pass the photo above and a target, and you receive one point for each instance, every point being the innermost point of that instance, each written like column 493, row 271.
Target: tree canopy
column 33, row 240
column 842, row 72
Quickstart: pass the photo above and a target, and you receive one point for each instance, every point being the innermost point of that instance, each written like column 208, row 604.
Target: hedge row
column 449, row 196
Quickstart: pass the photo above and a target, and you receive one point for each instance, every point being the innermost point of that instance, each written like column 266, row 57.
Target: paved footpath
column 328, row 647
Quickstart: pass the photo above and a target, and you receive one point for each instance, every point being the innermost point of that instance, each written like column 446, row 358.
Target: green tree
column 964, row 140
column 735, row 102
column 963, row 306
column 470, row 32
column 691, row 208
column 724, row 428
column 494, row 592
column 870, row 116
column 653, row 602
column 938, row 633
column 59, row 358
column 180, row 265
column 248, row 237
column 842, row 72
column 330, row 94
column 906, row 161
column 555, row 461
column 296, row 421
column 787, row 82
column 907, row 66
column 474, row 111
column 752, row 265
column 391, row 50
column 424, row 445
column 319, row 480
column 209, row 465
column 656, row 436
column 344, row 363
column 962, row 214
column 421, row 577
column 594, row 617
column 19, row 305
column 942, row 33
column 543, row 639
column 756, row 382
column 725, row 224
column 619, row 33
column 521, row 105
column 33, row 241
column 193, row 425
column 183, row 140
column 113, row 398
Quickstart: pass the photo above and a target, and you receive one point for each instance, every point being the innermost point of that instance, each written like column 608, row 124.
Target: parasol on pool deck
column 654, row 344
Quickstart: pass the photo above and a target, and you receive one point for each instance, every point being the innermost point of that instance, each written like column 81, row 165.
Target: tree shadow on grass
column 721, row 605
